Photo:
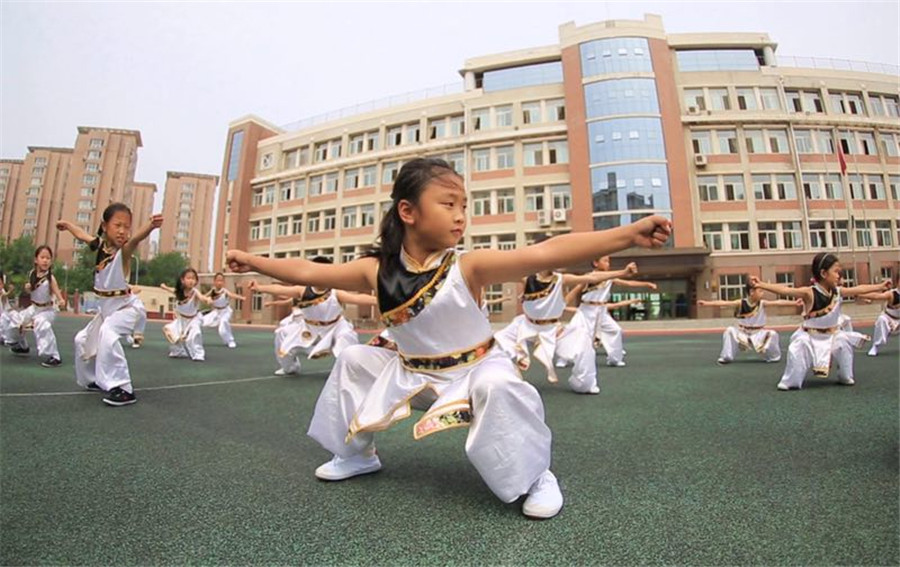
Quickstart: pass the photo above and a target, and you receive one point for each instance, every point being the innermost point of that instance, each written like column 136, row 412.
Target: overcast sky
column 179, row 72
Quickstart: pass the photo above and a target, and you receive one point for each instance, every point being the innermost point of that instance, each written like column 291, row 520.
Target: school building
column 761, row 160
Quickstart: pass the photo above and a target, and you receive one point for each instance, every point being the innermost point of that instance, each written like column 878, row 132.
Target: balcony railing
column 837, row 64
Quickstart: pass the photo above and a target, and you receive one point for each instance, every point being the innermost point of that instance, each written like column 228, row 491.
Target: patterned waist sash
column 324, row 323
column 826, row 331
column 891, row 315
column 183, row 316
column 39, row 304
column 750, row 329
column 589, row 302
column 112, row 292
column 449, row 360
column 223, row 307
column 542, row 321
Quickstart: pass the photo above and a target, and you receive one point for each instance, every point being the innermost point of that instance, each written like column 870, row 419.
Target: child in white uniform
column 41, row 313
column 427, row 294
column 6, row 310
column 593, row 308
column 320, row 330
column 821, row 338
column 220, row 314
column 183, row 333
column 888, row 322
column 749, row 332
column 100, row 362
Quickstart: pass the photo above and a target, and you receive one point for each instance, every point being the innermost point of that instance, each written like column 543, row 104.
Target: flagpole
column 848, row 200
column 865, row 219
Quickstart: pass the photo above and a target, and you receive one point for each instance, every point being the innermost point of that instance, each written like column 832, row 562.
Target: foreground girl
column 428, row 296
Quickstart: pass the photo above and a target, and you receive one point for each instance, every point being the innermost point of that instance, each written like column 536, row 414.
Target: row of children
column 439, row 352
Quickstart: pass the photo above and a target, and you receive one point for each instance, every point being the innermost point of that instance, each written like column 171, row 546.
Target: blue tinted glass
column 718, row 60
column 234, row 158
column 630, row 187
column 616, row 55
column 621, row 96
column 625, row 139
column 526, row 76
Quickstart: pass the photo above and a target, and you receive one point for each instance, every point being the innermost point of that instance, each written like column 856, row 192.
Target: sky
column 180, row 72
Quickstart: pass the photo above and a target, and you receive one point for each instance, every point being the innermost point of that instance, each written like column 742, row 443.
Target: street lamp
column 66, row 268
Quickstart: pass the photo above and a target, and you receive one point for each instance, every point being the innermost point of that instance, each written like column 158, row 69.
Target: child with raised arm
column 593, row 307
column 821, row 339
column 100, row 362
column 42, row 287
column 183, row 333
column 428, row 294
column 322, row 328
column 749, row 332
column 220, row 314
column 543, row 304
column 888, row 323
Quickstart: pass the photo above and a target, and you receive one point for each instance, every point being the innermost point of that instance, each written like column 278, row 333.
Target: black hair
column 822, row 261
column 748, row 289
column 179, row 289
column 217, row 274
column 322, row 260
column 108, row 213
column 411, row 181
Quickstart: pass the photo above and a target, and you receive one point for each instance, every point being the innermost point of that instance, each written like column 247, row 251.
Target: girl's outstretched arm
column 164, row 287
column 864, row 289
column 634, row 283
column 880, row 296
column 805, row 293
column 203, row 297
column 486, row 267
column 289, row 291
column 600, row 277
column 287, row 301
column 142, row 233
column 358, row 275
column 76, row 231
column 574, row 295
column 624, row 303
column 783, row 302
column 361, row 299
column 718, row 303
column 231, row 294
column 54, row 289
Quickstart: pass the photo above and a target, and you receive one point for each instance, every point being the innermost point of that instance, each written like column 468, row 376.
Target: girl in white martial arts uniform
column 6, row 310
column 821, row 338
column 183, row 333
column 428, row 295
column 888, row 323
column 41, row 313
column 320, row 330
column 100, row 362
column 593, row 309
column 749, row 333
column 220, row 314
column 543, row 304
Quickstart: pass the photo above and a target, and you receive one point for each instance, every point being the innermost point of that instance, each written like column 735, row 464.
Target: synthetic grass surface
column 677, row 461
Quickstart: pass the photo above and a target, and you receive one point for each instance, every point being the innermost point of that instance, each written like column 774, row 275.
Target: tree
column 17, row 259
column 165, row 268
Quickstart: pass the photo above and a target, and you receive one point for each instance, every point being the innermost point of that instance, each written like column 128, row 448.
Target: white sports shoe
column 544, row 498
column 593, row 390
column 619, row 364
column 340, row 468
column 846, row 381
column 232, row 345
column 872, row 352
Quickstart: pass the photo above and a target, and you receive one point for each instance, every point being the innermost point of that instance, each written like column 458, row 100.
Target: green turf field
column 677, row 461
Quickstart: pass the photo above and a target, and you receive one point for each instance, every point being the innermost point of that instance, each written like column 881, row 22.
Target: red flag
column 842, row 161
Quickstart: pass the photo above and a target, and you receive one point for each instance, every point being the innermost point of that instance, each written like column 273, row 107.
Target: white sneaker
column 232, row 345
column 872, row 352
column 340, row 468
column 593, row 390
column 544, row 498
column 846, row 381
column 280, row 372
column 775, row 360
column 722, row 361
column 619, row 364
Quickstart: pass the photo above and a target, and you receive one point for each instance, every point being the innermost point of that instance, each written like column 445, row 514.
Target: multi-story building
column 760, row 162
column 70, row 183
column 142, row 196
column 9, row 192
column 188, row 213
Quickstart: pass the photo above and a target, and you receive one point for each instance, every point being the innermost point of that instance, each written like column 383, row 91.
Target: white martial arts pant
column 508, row 441
column 99, row 357
column 41, row 319
column 220, row 318
column 761, row 341
column 185, row 338
column 885, row 326
column 569, row 344
column 816, row 351
column 315, row 341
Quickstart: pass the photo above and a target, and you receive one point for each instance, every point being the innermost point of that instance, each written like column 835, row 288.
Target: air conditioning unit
column 693, row 110
column 700, row 160
column 544, row 218
column 559, row 215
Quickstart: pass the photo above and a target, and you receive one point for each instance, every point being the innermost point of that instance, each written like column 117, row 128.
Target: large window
column 732, row 286
column 629, row 187
column 523, row 76
column 626, row 139
column 615, row 55
column 717, row 60
column 621, row 96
